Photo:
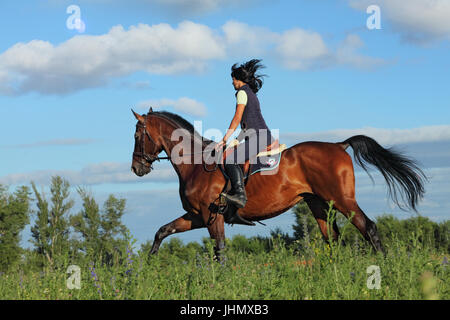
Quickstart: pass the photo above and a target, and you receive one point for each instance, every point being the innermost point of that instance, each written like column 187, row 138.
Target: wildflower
column 95, row 278
column 129, row 261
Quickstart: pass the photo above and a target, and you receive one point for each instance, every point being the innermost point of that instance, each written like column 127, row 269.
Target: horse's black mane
column 182, row 123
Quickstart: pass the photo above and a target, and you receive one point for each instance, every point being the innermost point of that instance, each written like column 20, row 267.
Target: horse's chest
column 185, row 200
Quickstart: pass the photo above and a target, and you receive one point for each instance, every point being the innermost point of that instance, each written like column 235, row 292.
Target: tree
column 103, row 234
column 50, row 233
column 414, row 231
column 87, row 224
column 442, row 236
column 305, row 226
column 14, row 216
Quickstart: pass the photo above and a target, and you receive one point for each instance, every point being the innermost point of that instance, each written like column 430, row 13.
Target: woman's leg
column 237, row 195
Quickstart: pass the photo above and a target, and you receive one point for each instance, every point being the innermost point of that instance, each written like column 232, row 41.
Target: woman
column 253, row 127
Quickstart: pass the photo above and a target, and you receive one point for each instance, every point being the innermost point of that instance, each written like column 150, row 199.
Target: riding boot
column 237, row 196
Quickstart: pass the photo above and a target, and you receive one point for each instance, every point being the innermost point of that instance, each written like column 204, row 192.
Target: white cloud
column 93, row 174
column 183, row 104
column 54, row 142
column 193, row 6
column 87, row 61
column 383, row 136
column 417, row 21
column 302, row 50
column 296, row 49
column 243, row 39
column 346, row 54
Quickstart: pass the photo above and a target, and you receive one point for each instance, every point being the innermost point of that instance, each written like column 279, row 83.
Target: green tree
column 88, row 224
column 415, row 231
column 14, row 216
column 442, row 236
column 104, row 236
column 50, row 233
column 305, row 227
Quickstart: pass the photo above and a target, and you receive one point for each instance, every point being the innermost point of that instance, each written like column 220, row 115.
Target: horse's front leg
column 189, row 221
column 216, row 228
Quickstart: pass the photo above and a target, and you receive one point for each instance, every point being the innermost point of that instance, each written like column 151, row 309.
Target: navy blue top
column 252, row 117
column 252, row 121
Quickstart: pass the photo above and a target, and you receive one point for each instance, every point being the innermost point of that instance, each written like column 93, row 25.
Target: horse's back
column 307, row 167
column 321, row 152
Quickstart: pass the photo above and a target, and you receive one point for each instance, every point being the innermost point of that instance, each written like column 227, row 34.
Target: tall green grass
column 265, row 270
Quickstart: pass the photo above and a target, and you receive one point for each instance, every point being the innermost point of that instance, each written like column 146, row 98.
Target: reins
column 149, row 158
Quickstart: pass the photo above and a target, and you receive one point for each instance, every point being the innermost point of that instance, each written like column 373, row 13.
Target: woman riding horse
column 253, row 128
column 316, row 172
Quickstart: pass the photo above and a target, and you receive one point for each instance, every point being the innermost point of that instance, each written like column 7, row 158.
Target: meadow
column 91, row 255
column 181, row 271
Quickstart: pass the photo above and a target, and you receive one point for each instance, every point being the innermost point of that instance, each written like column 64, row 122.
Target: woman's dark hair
column 246, row 72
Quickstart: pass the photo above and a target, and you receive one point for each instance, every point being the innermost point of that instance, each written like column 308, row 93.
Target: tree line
column 96, row 233
column 57, row 235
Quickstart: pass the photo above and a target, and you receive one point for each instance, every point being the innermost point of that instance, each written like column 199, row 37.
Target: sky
column 70, row 71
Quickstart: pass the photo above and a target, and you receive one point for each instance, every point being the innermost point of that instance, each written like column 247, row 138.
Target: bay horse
column 317, row 172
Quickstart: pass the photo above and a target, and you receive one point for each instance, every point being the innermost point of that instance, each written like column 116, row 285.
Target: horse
column 320, row 173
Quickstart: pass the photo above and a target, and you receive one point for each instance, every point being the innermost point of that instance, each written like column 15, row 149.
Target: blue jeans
column 254, row 143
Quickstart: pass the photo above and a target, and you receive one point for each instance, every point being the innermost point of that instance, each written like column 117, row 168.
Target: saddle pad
column 265, row 163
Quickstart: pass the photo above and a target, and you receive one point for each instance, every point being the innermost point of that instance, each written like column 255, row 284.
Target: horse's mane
column 183, row 123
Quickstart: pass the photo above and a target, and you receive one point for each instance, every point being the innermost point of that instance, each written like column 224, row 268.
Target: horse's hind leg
column 189, row 221
column 366, row 226
column 319, row 209
column 343, row 196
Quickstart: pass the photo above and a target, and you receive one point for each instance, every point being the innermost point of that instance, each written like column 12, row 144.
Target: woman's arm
column 233, row 125
column 241, row 102
column 235, row 121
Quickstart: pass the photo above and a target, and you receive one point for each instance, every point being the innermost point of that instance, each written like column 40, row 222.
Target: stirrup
column 237, row 219
column 233, row 217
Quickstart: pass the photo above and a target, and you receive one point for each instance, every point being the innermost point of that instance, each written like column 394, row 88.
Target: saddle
column 272, row 149
column 221, row 206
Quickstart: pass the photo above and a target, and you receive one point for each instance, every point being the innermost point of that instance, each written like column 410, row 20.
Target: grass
column 322, row 271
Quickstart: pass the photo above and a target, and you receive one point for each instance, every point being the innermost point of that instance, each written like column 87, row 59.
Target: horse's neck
column 192, row 148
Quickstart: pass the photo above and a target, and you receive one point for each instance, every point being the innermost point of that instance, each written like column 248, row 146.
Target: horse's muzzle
column 139, row 169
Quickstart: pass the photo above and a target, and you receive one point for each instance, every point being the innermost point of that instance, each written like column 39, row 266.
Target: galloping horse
column 317, row 172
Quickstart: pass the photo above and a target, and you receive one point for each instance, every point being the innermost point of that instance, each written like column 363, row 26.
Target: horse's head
column 146, row 147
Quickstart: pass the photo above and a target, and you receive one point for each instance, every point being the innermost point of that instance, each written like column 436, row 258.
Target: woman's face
column 237, row 83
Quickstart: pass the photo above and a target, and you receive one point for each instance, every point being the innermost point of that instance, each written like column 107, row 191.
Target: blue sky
column 65, row 95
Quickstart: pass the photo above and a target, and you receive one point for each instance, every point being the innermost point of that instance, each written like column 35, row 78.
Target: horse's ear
column 138, row 116
column 151, row 110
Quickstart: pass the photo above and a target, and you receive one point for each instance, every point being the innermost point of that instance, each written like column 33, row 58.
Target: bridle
column 143, row 156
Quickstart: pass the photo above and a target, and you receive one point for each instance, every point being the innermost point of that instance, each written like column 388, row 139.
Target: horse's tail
column 403, row 176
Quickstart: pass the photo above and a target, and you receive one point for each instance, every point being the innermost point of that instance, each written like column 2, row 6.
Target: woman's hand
column 219, row 146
